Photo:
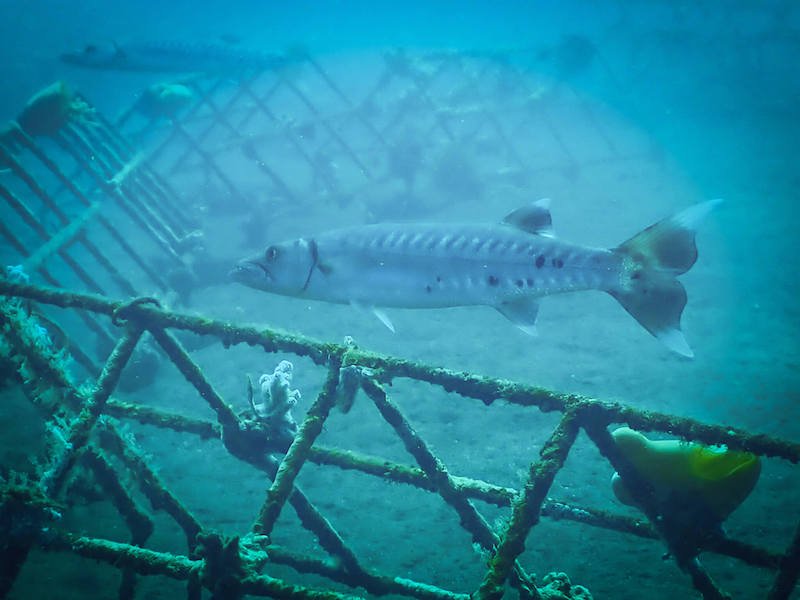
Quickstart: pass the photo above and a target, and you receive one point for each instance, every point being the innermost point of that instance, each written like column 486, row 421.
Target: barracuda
column 171, row 57
column 507, row 266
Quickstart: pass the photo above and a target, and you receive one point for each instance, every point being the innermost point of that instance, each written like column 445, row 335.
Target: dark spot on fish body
column 493, row 281
column 438, row 279
column 519, row 283
column 529, row 281
column 558, row 263
column 428, row 289
column 540, row 261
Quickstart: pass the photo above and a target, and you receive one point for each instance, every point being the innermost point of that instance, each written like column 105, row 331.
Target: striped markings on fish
column 508, row 266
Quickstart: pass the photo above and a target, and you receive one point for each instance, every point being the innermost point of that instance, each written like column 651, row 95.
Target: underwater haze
column 280, row 121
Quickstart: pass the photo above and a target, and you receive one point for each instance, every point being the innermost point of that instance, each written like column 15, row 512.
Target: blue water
column 673, row 103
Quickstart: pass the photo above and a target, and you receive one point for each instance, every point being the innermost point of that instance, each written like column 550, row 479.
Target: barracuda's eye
column 271, row 254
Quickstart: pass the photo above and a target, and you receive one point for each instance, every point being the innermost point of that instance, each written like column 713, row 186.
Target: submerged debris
column 709, row 480
column 48, row 111
column 691, row 487
column 557, row 586
column 164, row 100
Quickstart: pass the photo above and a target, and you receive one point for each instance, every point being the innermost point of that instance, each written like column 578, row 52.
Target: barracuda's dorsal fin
column 534, row 218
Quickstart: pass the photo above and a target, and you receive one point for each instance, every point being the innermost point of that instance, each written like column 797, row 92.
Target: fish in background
column 507, row 266
column 172, row 57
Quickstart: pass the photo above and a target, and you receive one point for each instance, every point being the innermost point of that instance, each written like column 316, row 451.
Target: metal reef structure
column 75, row 195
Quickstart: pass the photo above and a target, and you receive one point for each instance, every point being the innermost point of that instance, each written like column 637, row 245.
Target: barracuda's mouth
column 250, row 272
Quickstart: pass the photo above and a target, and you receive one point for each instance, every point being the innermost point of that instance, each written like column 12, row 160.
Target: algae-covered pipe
column 486, row 389
column 78, row 435
column 471, row 520
column 526, row 509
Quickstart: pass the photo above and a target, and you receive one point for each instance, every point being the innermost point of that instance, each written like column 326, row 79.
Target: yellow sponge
column 720, row 479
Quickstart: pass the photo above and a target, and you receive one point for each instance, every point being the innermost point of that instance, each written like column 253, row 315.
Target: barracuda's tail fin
column 652, row 259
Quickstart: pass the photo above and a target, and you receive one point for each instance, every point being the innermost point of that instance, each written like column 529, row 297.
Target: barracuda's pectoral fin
column 534, row 218
column 522, row 313
column 382, row 316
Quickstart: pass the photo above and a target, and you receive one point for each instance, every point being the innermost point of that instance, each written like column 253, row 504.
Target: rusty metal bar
column 125, row 202
column 296, row 455
column 400, row 66
column 331, row 130
column 17, row 323
column 139, row 524
column 470, row 488
column 342, row 96
column 25, row 213
column 241, row 447
column 122, row 173
column 481, row 388
column 248, row 145
column 597, row 412
column 377, row 584
column 84, row 137
column 526, row 510
column 202, row 136
column 208, row 161
column 155, row 184
column 150, row 483
column 788, row 571
column 248, row 149
column 78, row 435
column 470, row 519
column 33, row 148
column 76, row 224
column 194, row 375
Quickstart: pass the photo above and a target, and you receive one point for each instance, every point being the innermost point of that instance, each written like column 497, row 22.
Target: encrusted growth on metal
column 99, row 412
column 115, row 194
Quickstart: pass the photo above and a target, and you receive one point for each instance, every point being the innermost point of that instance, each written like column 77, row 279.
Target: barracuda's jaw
column 250, row 273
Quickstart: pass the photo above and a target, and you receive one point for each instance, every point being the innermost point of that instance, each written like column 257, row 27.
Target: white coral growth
column 276, row 398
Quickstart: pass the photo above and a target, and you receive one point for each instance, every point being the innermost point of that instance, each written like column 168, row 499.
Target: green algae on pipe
column 78, row 435
column 526, row 509
column 471, row 520
column 150, row 483
column 118, row 554
column 484, row 388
